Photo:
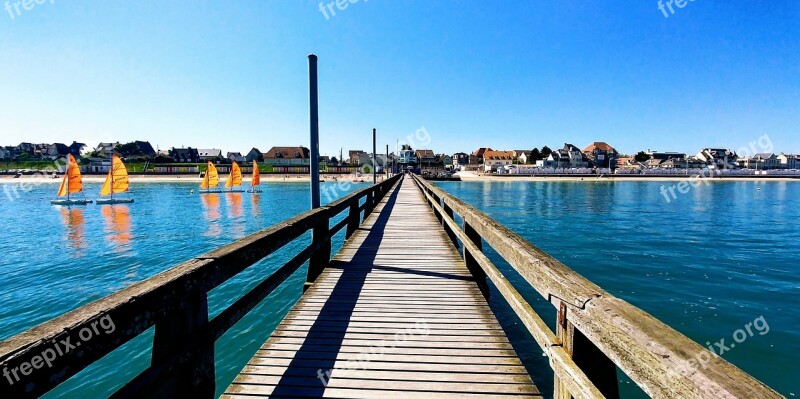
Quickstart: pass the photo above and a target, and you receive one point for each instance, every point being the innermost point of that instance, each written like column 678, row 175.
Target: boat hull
column 254, row 191
column 105, row 201
column 70, row 202
column 211, row 191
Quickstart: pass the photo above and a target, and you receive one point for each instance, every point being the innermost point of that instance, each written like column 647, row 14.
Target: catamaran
column 256, row 180
column 71, row 184
column 116, row 182
column 235, row 179
column 210, row 180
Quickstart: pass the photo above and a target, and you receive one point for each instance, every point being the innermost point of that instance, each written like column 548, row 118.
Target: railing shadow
column 309, row 362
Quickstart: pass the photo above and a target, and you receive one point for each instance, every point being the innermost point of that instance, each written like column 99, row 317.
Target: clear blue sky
column 510, row 74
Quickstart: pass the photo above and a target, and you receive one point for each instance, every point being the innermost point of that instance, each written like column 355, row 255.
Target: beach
column 472, row 176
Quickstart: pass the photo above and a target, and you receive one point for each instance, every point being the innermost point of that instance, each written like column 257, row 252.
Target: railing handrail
column 661, row 360
column 175, row 301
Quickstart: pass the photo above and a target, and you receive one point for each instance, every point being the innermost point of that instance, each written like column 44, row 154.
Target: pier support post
column 197, row 378
column 591, row 360
column 472, row 264
column 322, row 257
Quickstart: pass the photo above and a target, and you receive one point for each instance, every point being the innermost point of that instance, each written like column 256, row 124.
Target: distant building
column 184, row 155
column 294, row 156
column 407, row 158
column 523, row 156
column 567, row 157
column 789, row 161
column 254, row 155
column 479, row 153
column 356, row 157
column 460, row 159
column 209, row 154
column 235, row 157
column 105, row 150
column 56, row 150
column 5, row 153
column 494, row 160
column 600, row 154
column 760, row 161
column 77, row 149
column 425, row 157
column 665, row 155
column 718, row 158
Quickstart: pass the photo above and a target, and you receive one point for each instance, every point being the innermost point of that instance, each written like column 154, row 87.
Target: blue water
column 56, row 259
column 706, row 263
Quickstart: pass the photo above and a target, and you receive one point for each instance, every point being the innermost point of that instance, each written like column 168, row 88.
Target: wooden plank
column 396, row 314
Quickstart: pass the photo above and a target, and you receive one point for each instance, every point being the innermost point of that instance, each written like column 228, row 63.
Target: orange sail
column 117, row 179
column 235, row 179
column 256, row 175
column 72, row 182
column 212, row 177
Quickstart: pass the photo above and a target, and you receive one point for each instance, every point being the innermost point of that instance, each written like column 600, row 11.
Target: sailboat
column 256, row 180
column 235, row 179
column 210, row 180
column 71, row 184
column 116, row 182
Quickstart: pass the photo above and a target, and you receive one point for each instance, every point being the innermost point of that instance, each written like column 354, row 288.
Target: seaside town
column 597, row 158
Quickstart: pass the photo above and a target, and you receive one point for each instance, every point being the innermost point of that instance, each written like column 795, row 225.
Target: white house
column 494, row 160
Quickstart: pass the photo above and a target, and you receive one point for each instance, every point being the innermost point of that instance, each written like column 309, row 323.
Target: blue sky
column 510, row 74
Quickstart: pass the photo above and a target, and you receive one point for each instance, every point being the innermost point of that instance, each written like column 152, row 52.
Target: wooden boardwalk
column 396, row 315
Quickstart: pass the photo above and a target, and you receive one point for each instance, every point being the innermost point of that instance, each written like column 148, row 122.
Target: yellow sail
column 212, row 177
column 72, row 182
column 117, row 179
column 256, row 175
column 235, row 179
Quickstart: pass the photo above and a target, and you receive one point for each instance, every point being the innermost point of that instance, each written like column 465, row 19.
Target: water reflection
column 211, row 213
column 76, row 229
column 235, row 212
column 255, row 206
column 118, row 226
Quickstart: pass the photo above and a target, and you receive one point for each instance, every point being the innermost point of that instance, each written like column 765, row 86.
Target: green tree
column 546, row 151
column 641, row 156
column 536, row 155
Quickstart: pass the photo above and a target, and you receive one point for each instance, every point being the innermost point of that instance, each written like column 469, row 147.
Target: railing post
column 197, row 378
column 448, row 211
column 472, row 264
column 591, row 360
column 353, row 218
column 322, row 256
column 369, row 203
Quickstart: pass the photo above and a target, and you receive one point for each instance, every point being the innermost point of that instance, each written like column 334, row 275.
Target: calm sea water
column 706, row 263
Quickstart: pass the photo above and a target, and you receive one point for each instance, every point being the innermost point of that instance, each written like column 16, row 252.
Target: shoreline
column 471, row 177
column 465, row 177
column 27, row 179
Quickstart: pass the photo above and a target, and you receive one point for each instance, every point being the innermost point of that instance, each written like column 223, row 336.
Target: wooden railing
column 596, row 332
column 176, row 302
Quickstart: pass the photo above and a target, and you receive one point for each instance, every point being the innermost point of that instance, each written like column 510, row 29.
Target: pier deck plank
column 396, row 315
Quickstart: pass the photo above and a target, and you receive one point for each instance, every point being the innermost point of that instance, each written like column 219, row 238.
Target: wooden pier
column 399, row 311
column 395, row 315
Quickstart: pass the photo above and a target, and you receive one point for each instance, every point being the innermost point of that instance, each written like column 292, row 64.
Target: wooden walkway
column 396, row 315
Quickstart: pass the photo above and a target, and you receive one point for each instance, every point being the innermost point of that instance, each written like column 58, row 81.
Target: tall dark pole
column 386, row 162
column 314, row 121
column 374, row 157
